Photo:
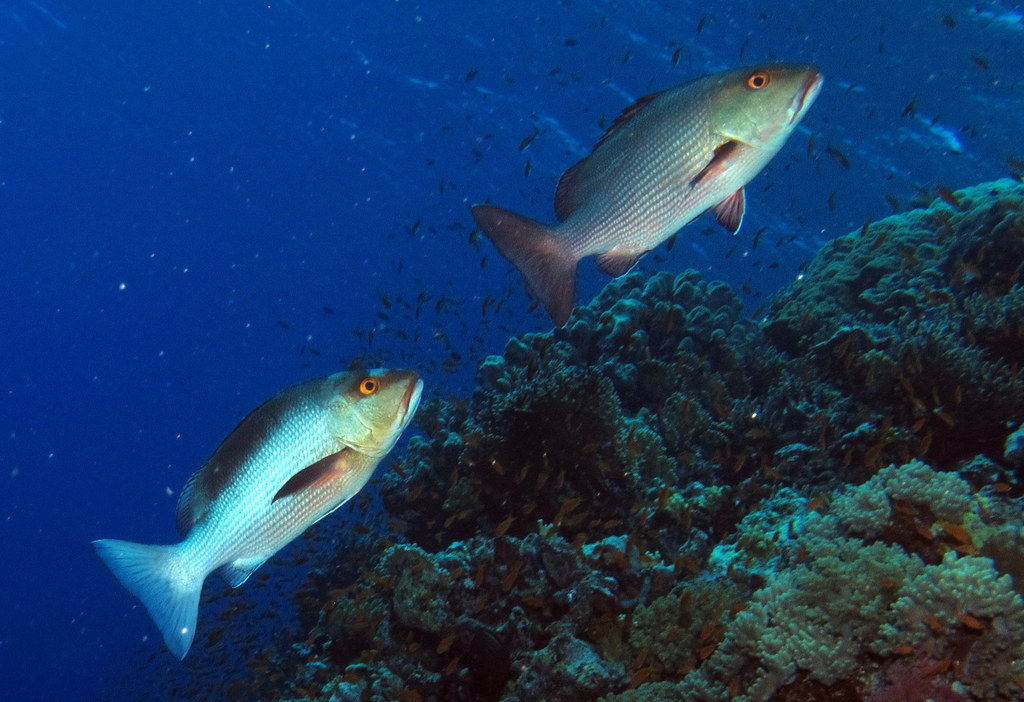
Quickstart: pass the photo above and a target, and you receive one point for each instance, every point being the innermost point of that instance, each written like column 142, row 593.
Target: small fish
column 838, row 156
column 665, row 160
column 292, row 461
column 911, row 109
column 525, row 143
column 949, row 196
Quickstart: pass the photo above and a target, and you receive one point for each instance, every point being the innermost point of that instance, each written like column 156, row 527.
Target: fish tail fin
column 160, row 577
column 547, row 265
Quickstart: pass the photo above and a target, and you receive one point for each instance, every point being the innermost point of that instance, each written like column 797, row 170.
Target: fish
column 292, row 461
column 666, row 159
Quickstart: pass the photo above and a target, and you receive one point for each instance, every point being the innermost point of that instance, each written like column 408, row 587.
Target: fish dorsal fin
column 567, row 195
column 192, row 504
column 730, row 211
column 627, row 114
column 616, row 263
column 315, row 474
column 566, row 201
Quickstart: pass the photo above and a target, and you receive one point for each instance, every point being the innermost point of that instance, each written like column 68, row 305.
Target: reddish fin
column 313, row 475
column 718, row 163
column 616, row 263
column 547, row 266
column 730, row 211
column 567, row 195
column 627, row 114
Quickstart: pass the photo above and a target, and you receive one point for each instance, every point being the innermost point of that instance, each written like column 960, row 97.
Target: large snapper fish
column 669, row 157
column 292, row 461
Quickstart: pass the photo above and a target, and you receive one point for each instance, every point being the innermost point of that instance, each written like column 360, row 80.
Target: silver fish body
column 292, row 461
column 668, row 158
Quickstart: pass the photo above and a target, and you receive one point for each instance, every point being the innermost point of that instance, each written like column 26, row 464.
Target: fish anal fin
column 616, row 263
column 237, row 572
column 730, row 211
column 315, row 474
column 717, row 164
column 543, row 258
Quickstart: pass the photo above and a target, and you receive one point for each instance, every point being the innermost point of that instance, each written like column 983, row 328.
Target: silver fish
column 292, row 461
column 668, row 158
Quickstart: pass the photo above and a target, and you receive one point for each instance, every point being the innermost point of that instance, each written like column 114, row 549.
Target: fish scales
column 665, row 160
column 302, row 439
column 646, row 191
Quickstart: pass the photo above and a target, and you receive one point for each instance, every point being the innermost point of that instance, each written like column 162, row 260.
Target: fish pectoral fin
column 238, row 572
column 717, row 164
column 315, row 474
column 730, row 211
column 616, row 263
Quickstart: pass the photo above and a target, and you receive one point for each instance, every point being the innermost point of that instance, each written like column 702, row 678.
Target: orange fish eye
column 758, row 80
column 369, row 386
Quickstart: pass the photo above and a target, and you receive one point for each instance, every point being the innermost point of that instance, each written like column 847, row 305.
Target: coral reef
column 663, row 500
column 924, row 314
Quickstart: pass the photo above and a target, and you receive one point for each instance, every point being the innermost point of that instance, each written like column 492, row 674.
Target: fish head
column 760, row 106
column 369, row 409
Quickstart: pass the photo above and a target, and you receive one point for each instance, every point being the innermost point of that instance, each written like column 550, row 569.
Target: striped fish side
column 232, row 526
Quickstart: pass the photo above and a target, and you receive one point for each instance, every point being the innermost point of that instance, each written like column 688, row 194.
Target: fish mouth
column 411, row 400
column 805, row 97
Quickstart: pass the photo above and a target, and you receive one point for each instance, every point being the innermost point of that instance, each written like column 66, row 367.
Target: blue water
column 203, row 202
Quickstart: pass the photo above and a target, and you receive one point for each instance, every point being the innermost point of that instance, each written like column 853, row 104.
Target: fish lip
column 806, row 96
column 412, row 398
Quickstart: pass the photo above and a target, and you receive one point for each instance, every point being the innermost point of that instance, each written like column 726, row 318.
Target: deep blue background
column 186, row 186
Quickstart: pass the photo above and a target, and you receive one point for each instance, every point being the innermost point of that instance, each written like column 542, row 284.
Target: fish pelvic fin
column 545, row 262
column 730, row 211
column 159, row 576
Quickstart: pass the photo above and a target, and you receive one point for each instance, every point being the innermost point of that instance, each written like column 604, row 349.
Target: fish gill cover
column 664, row 500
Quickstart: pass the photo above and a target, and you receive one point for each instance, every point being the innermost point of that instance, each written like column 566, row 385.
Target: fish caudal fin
column 158, row 576
column 548, row 267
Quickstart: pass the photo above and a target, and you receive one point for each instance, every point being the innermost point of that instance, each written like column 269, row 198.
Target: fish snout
column 412, row 398
column 806, row 96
